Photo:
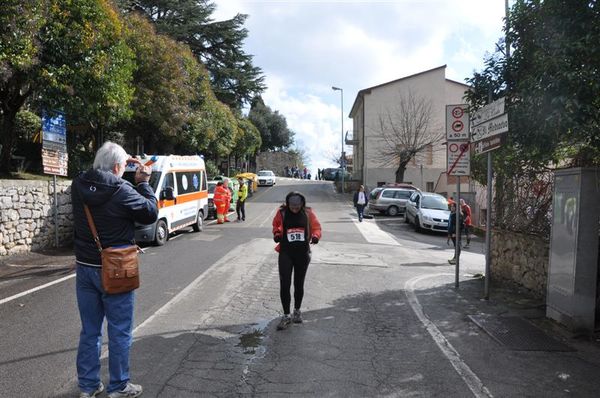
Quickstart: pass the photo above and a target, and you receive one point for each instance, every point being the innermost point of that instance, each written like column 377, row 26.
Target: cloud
column 305, row 47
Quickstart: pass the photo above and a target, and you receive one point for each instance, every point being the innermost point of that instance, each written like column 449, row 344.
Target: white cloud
column 305, row 47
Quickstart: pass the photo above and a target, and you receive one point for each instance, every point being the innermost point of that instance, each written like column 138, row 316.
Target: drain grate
column 517, row 333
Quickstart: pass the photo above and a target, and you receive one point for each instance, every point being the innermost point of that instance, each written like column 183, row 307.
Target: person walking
column 221, row 199
column 360, row 202
column 452, row 231
column 295, row 227
column 116, row 205
column 466, row 210
column 240, row 207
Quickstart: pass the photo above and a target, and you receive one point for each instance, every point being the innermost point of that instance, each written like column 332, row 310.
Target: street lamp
column 343, row 161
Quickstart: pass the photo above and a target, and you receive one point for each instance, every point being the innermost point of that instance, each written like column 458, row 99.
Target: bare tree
column 406, row 130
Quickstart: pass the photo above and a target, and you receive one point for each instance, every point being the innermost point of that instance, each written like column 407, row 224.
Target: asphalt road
column 382, row 318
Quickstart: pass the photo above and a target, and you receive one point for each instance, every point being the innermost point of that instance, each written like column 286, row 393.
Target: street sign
column 490, row 128
column 55, row 162
column 459, row 158
column 54, row 131
column 488, row 112
column 55, row 158
column 488, row 144
column 457, row 122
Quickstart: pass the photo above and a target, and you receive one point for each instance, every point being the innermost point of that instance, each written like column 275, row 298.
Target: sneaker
column 297, row 317
column 130, row 391
column 92, row 394
column 452, row 261
column 466, row 246
column 284, row 322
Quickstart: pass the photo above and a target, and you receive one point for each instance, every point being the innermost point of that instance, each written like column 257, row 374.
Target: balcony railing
column 350, row 140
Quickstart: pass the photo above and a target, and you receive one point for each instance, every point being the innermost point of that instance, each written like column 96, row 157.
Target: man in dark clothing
column 115, row 205
column 452, row 230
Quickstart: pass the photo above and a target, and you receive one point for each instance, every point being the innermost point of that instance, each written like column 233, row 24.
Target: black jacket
column 355, row 199
column 115, row 205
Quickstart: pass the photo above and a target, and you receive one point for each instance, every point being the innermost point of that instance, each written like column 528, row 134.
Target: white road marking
column 35, row 289
column 469, row 377
column 373, row 234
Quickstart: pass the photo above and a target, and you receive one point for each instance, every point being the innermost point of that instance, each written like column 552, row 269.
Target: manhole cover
column 517, row 333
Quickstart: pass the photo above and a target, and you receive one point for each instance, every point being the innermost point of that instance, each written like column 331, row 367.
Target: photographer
column 115, row 205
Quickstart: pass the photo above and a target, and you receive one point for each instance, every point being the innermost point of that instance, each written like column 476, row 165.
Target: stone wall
column 27, row 215
column 522, row 259
column 276, row 161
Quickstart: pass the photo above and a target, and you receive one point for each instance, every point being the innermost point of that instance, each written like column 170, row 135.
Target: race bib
column 295, row 235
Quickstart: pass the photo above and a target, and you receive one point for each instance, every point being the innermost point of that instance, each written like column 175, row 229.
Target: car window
column 402, row 194
column 414, row 196
column 387, row 194
column 435, row 203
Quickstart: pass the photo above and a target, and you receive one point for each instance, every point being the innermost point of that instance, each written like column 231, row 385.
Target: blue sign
column 54, row 128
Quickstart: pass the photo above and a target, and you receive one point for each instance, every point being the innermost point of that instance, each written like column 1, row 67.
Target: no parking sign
column 459, row 158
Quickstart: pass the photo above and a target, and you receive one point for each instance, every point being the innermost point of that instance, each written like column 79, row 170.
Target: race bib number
column 295, row 235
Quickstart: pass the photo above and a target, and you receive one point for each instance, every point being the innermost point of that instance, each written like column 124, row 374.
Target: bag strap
column 90, row 220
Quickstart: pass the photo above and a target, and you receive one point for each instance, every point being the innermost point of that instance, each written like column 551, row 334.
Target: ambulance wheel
column 199, row 225
column 162, row 233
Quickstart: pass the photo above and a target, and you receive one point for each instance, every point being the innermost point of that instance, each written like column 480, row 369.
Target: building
column 427, row 169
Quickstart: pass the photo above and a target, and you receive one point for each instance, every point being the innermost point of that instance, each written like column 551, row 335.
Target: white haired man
column 115, row 205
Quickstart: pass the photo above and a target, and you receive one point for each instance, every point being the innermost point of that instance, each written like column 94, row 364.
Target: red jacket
column 314, row 226
column 466, row 209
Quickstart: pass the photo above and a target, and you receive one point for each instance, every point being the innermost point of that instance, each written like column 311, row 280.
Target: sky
column 305, row 47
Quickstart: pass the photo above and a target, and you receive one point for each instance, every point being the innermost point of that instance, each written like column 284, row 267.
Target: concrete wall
column 522, row 259
column 27, row 215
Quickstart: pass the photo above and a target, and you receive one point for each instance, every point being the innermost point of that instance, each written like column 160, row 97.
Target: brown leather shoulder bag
column 120, row 266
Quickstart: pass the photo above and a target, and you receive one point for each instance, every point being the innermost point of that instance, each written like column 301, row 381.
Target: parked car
column 266, row 177
column 391, row 201
column 427, row 210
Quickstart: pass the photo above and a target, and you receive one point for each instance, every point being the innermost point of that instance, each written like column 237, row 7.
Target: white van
column 179, row 183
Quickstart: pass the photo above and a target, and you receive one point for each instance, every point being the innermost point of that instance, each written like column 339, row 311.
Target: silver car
column 391, row 201
column 427, row 210
column 266, row 177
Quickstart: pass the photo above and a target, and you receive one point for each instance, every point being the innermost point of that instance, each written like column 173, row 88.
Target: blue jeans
column 360, row 210
column 94, row 305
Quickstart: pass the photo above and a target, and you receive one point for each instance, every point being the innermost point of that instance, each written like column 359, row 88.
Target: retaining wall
column 27, row 215
column 522, row 259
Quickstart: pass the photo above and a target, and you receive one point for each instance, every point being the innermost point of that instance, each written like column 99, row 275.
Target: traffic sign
column 488, row 112
column 490, row 128
column 457, row 122
column 488, row 144
column 459, row 158
column 54, row 131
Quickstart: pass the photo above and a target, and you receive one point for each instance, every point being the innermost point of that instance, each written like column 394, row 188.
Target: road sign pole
column 457, row 232
column 488, row 229
column 55, row 211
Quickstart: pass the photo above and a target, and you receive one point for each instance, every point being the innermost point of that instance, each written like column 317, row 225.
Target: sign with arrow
column 459, row 158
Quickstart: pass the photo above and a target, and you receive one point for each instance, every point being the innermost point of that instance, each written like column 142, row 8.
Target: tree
column 406, row 130
column 217, row 44
column 551, row 84
column 165, row 81
column 70, row 54
column 272, row 126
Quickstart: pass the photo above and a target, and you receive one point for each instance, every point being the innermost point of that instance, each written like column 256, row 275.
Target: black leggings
column 298, row 263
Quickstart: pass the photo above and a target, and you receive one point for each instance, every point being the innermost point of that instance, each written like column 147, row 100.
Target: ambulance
column 180, row 186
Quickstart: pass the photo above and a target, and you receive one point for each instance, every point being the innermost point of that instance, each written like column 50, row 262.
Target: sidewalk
column 40, row 262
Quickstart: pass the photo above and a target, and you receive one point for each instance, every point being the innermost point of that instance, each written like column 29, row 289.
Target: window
column 188, row 182
column 388, row 193
column 204, row 186
column 402, row 194
column 168, row 181
column 429, row 186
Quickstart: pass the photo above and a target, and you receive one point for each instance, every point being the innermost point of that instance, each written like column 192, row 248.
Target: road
column 209, row 301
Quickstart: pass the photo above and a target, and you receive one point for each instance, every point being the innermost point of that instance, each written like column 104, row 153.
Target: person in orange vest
column 221, row 199
column 466, row 209
column 295, row 228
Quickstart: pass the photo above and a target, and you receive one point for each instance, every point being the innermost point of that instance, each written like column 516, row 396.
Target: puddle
column 252, row 337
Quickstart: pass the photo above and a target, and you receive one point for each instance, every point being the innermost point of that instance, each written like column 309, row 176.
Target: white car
column 427, row 210
column 266, row 177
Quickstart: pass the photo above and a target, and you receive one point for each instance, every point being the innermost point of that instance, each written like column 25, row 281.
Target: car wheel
column 417, row 225
column 162, row 233
column 392, row 211
column 199, row 225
